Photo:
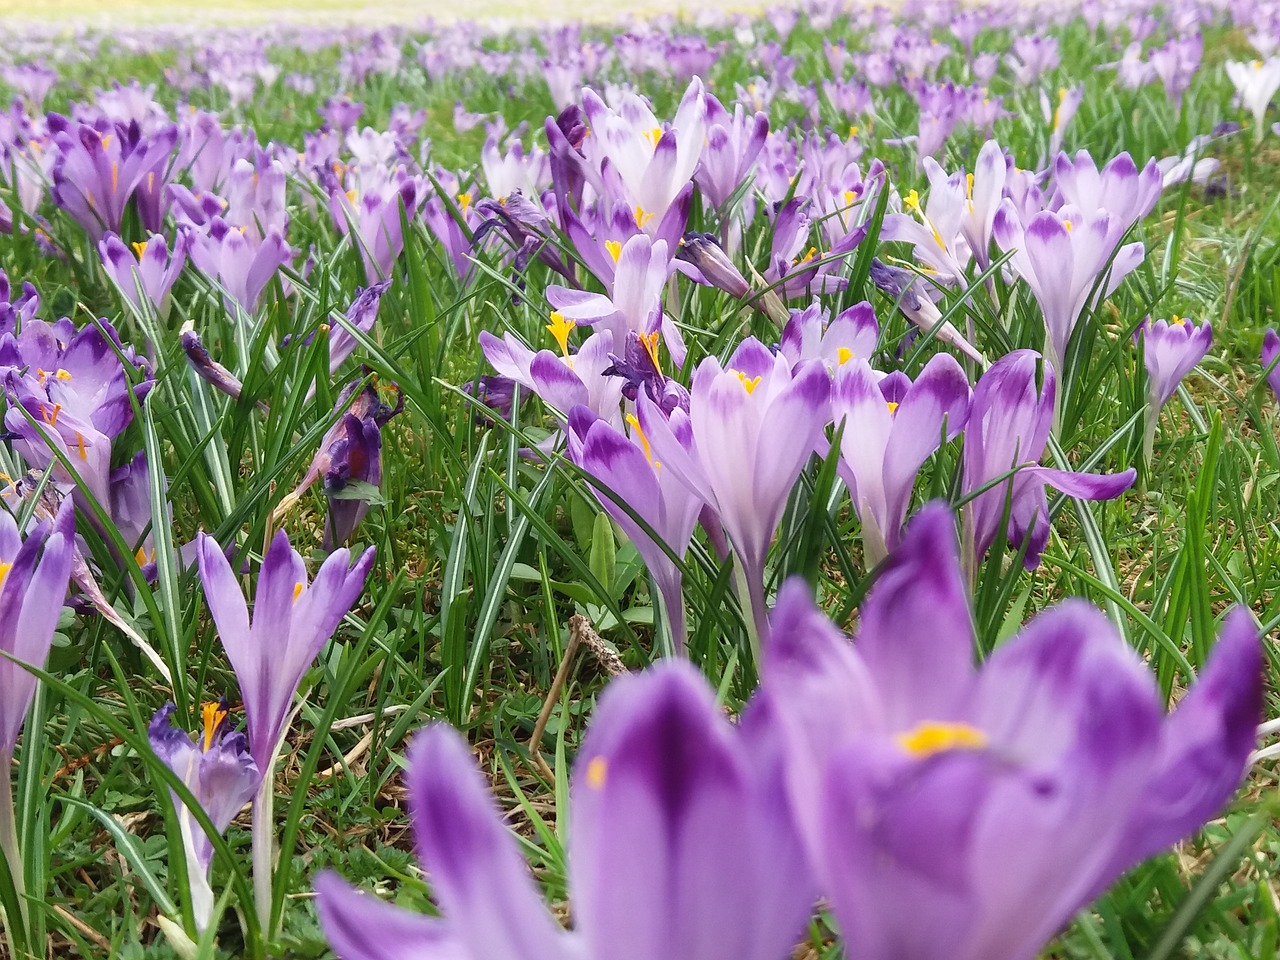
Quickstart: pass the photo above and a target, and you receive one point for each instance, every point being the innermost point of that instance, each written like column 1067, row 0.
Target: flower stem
column 264, row 850
column 9, row 847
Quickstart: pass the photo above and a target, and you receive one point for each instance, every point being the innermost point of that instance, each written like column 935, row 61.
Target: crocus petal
column 481, row 880
column 362, row 927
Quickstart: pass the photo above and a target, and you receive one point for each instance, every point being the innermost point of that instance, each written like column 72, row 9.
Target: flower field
column 717, row 487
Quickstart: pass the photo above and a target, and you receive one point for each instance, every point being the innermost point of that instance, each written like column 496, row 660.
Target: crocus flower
column 1256, row 83
column 755, row 423
column 635, row 305
column 809, row 335
column 891, row 426
column 362, row 314
column 98, row 172
column 69, row 392
column 1170, row 349
column 373, row 219
column 34, row 572
column 292, row 619
column 1061, row 115
column 967, row 813
column 1270, row 351
column 349, row 457
column 729, row 155
column 1119, row 188
column 626, row 466
column 680, row 845
column 221, row 774
column 237, row 265
column 1008, row 428
column 1062, row 255
column 145, row 274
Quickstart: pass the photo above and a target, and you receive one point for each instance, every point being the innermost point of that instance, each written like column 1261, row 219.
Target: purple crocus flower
column 98, row 172
column 729, row 155
column 220, row 773
column 1119, row 188
column 34, row 572
column 1270, row 351
column 1062, row 255
column 1008, row 428
column 852, row 335
column 68, row 391
column 967, row 813
column 891, row 426
column 681, row 845
column 755, row 423
column 374, row 222
column 145, row 274
column 635, row 303
column 237, row 265
column 362, row 314
column 627, row 467
column 292, row 619
column 563, row 380
column 350, row 456
column 1170, row 350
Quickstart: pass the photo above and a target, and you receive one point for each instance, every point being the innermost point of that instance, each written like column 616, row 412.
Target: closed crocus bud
column 1170, row 349
column 704, row 252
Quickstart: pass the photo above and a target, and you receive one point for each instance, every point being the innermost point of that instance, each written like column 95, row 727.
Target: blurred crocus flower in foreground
column 34, row 573
column 966, row 813
column 223, row 777
column 682, row 846
column 1170, row 349
column 1270, row 353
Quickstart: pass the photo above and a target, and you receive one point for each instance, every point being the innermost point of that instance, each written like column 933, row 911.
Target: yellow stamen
column 642, row 217
column 849, row 197
column 853, row 132
column 893, row 407
column 297, row 591
column 80, row 446
column 560, row 328
column 597, row 771
column 115, row 177
column 638, row 433
column 1057, row 113
column 351, row 196
column 748, row 385
column 912, row 200
column 653, row 136
column 151, row 181
column 968, row 185
column 213, row 714
column 650, row 343
column 927, row 738
column 106, row 141
column 615, row 249
column 138, row 249
column 141, row 556
column 1068, row 225
column 63, row 374
column 1178, row 320
column 464, row 201
column 51, row 419
column 4, row 572
column 843, row 356
column 937, row 237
